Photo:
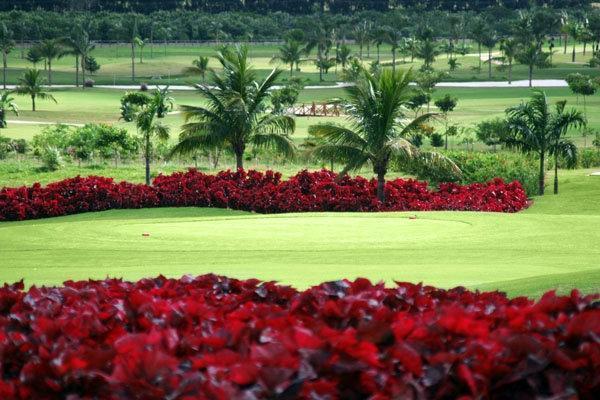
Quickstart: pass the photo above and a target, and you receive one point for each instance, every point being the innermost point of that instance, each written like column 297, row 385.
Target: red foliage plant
column 255, row 191
column 211, row 337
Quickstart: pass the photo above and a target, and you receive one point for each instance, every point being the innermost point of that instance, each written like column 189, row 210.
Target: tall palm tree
column 51, row 49
column 7, row 103
column 563, row 147
column 510, row 48
column 199, row 67
column 575, row 30
column 427, row 51
column 145, row 110
column 235, row 116
column 290, row 53
column 362, row 34
column 536, row 129
column 7, row 44
column 478, row 32
column 320, row 38
column 489, row 40
column 393, row 38
column 78, row 44
column 379, row 131
column 344, row 55
column 532, row 55
column 32, row 84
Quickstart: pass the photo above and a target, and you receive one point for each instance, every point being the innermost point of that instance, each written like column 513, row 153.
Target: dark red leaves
column 255, row 191
column 212, row 337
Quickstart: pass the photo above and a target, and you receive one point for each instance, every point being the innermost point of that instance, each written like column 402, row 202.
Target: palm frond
column 281, row 143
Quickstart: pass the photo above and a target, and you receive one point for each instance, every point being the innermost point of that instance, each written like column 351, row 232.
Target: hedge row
column 216, row 338
column 258, row 192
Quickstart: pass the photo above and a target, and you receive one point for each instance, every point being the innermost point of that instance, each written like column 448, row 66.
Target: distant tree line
column 288, row 6
column 181, row 25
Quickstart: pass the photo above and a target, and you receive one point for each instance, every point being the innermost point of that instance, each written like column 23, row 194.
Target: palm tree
column 561, row 146
column 510, row 47
column 379, row 131
column 32, row 84
column 235, row 115
column 427, row 51
column 362, row 34
column 536, row 129
column 7, row 44
column 199, row 67
column 393, row 38
column 478, row 32
column 344, row 55
column 290, row 53
column 7, row 103
column 575, row 30
column 489, row 40
column 320, row 38
column 380, row 36
column 145, row 110
column 34, row 56
column 80, row 46
column 51, row 49
column 532, row 56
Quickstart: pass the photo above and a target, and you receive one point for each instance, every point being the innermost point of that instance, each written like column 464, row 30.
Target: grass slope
column 525, row 253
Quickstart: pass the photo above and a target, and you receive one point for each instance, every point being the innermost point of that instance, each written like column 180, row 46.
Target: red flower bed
column 256, row 191
column 216, row 338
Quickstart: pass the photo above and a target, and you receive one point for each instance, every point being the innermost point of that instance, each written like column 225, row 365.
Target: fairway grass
column 524, row 254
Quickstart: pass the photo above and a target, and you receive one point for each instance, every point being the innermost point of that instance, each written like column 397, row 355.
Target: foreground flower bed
column 255, row 191
column 216, row 338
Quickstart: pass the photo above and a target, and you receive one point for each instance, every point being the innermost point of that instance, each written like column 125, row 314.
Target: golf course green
column 553, row 245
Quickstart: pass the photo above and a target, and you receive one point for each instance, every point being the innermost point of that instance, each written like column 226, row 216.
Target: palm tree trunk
column 510, row 72
column 531, row 75
column 394, row 60
column 132, row 61
column 291, row 68
column 50, row 72
column 83, row 71
column 76, row 70
column 4, row 69
column 32, row 102
column 479, row 50
column 147, row 159
column 541, row 178
column 556, row 173
column 490, row 63
column 239, row 159
column 378, row 58
column 381, row 186
column 566, row 40
column 573, row 55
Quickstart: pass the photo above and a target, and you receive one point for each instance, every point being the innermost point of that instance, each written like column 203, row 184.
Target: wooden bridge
column 316, row 110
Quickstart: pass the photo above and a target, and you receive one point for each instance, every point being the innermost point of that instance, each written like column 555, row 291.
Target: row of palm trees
column 77, row 43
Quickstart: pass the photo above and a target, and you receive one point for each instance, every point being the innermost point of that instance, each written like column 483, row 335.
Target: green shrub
column 436, row 140
column 55, row 136
column 51, row 158
column 484, row 166
column 589, row 158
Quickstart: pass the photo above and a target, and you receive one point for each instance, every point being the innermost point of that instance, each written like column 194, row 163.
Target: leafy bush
column 589, row 158
column 51, row 158
column 54, row 136
column 256, row 191
column 483, row 166
column 211, row 337
column 436, row 140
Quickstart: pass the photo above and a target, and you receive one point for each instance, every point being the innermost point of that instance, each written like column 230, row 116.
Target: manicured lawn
column 552, row 245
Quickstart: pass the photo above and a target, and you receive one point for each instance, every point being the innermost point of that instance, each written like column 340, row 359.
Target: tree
column 510, row 48
column 80, row 45
column 393, row 38
column 379, row 37
column 362, row 35
column 575, row 29
column 290, row 53
column 584, row 86
column 426, row 82
column 34, row 56
column 7, row 44
column 141, row 44
column 234, row 115
column 379, row 132
column 534, row 128
column 493, row 132
column 478, row 32
column 344, row 55
column 320, row 38
column 532, row 56
column 91, row 65
column 51, row 49
column 199, row 67
column 446, row 105
column 427, row 51
column 7, row 103
column 145, row 110
column 489, row 40
column 32, row 84
column 561, row 146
